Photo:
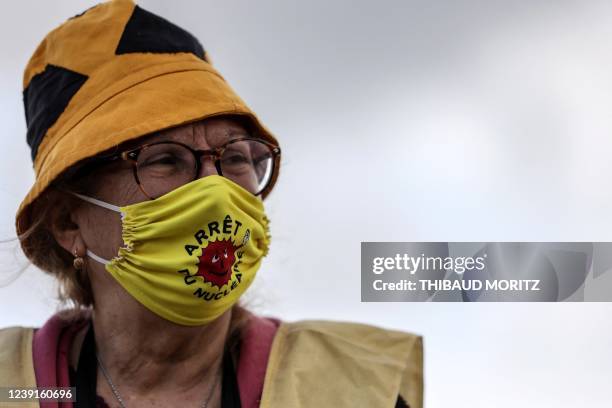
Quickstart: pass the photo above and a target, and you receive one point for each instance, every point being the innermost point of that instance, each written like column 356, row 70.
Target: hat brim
column 157, row 103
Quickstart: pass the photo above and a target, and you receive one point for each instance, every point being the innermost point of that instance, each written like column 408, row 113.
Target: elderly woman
column 147, row 207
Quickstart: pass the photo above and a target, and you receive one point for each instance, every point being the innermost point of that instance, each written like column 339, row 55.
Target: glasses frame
column 131, row 155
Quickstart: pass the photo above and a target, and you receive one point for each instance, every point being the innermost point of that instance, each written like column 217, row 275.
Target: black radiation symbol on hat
column 49, row 92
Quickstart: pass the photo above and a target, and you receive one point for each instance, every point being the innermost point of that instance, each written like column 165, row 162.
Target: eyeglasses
column 161, row 167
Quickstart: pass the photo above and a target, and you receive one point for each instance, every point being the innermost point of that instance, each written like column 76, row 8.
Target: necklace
column 120, row 400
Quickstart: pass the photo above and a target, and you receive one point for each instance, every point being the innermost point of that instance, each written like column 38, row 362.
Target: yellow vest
column 16, row 365
column 311, row 364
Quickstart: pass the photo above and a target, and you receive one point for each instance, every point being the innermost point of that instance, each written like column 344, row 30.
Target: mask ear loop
column 102, row 204
column 97, row 258
column 99, row 202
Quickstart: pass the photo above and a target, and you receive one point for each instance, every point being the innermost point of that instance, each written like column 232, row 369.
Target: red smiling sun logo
column 215, row 264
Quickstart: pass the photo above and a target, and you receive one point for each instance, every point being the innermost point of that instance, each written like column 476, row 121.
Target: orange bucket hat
column 110, row 74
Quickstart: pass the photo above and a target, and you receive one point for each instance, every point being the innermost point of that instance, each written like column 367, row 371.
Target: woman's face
column 99, row 229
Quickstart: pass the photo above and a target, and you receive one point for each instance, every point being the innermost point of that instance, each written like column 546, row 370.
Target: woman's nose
column 207, row 166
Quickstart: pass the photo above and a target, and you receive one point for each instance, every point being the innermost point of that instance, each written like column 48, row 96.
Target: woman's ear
column 63, row 224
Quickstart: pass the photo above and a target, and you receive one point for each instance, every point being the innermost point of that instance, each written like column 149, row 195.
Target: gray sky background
column 399, row 121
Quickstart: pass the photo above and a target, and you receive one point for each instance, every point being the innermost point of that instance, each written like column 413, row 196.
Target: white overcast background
column 399, row 121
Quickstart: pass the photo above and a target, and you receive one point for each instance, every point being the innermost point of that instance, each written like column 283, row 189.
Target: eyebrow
column 157, row 137
column 217, row 139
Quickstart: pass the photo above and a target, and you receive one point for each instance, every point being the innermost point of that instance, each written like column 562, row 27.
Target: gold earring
column 78, row 261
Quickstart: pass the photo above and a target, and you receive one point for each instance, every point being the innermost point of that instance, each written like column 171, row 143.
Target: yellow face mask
column 191, row 253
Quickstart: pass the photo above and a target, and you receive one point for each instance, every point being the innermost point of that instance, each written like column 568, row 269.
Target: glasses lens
column 248, row 163
column 163, row 167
